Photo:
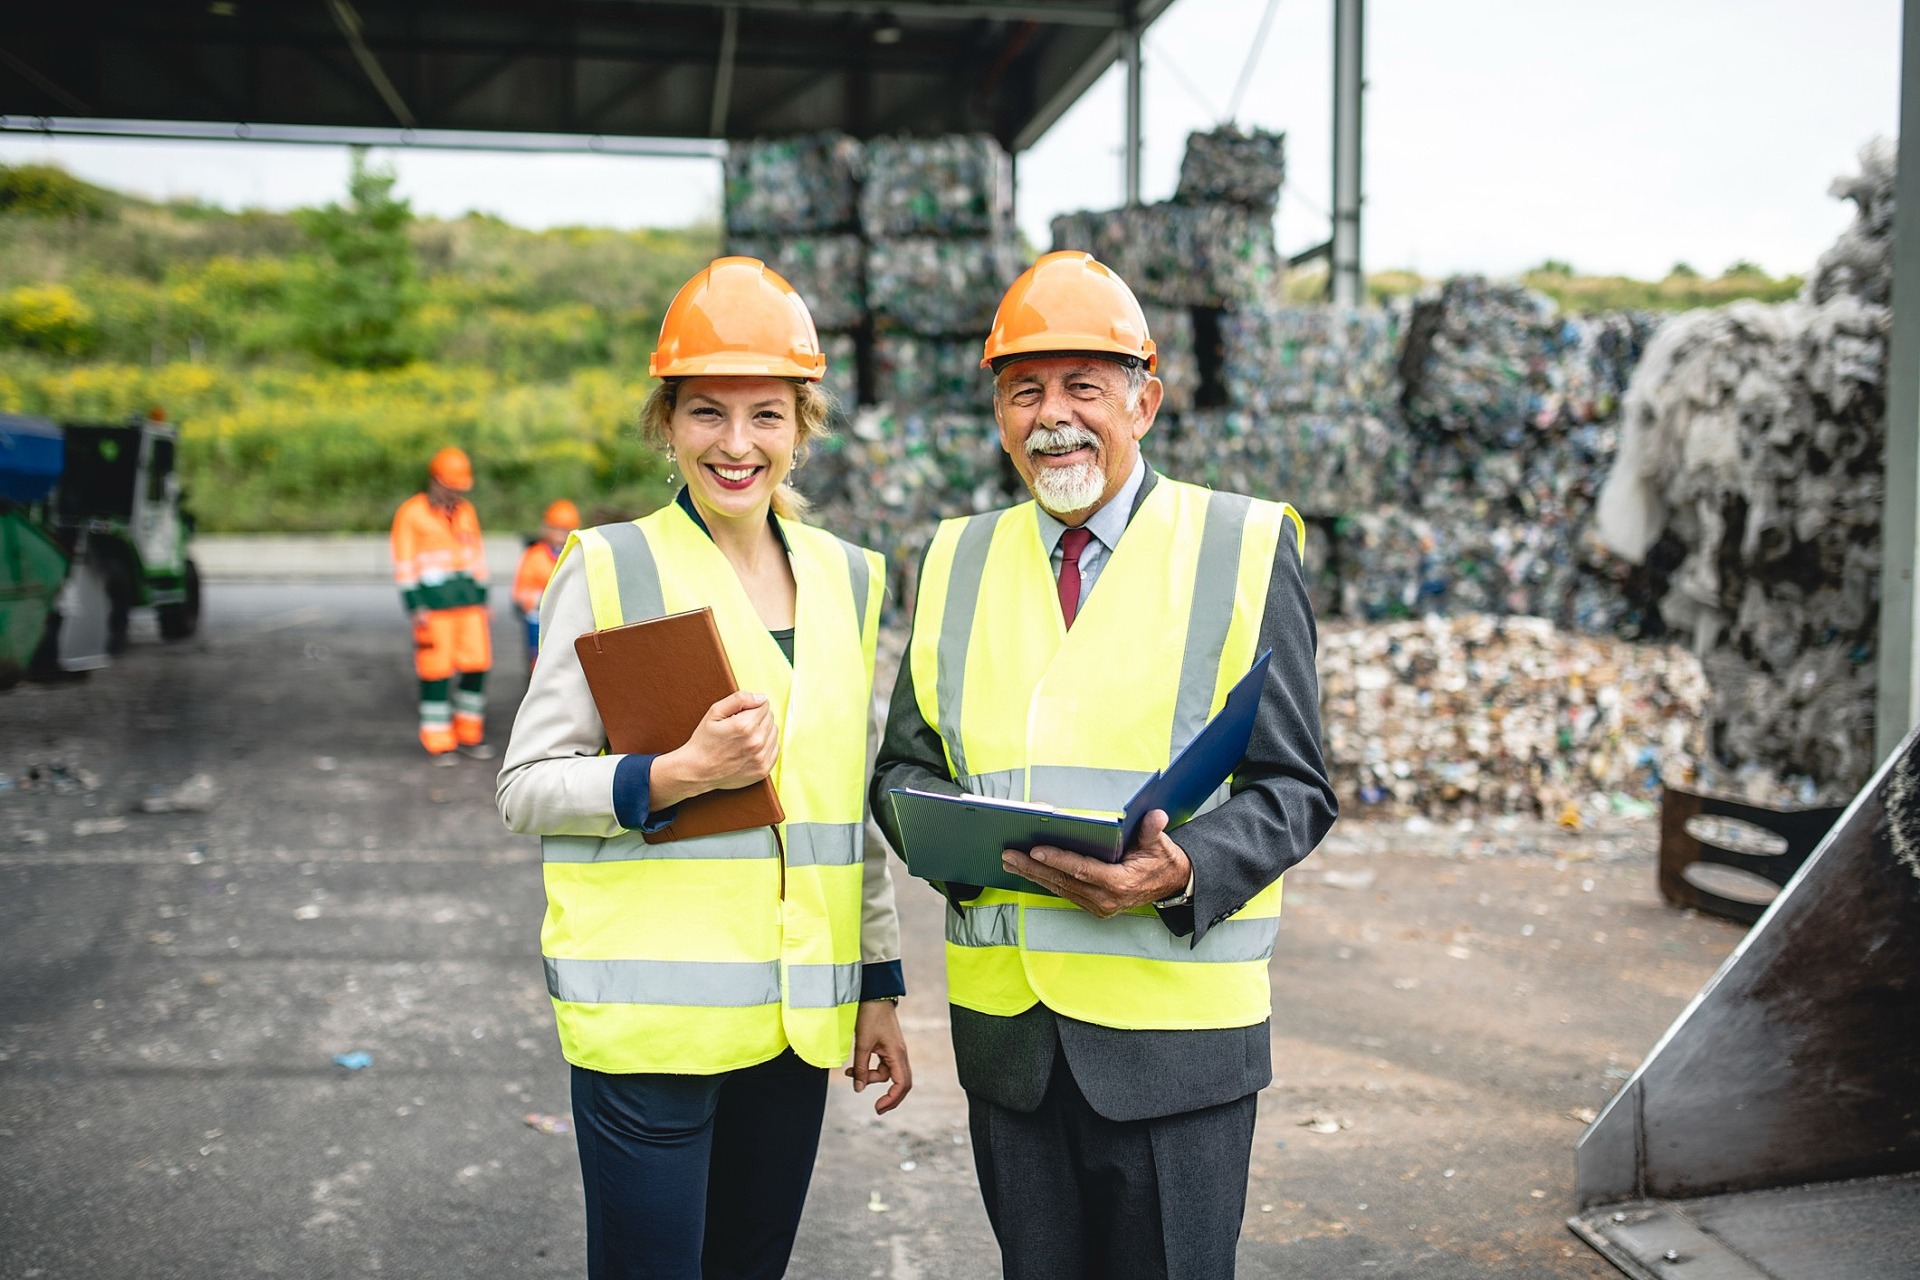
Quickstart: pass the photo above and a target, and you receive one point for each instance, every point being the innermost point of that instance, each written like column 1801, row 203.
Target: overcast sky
column 1621, row 137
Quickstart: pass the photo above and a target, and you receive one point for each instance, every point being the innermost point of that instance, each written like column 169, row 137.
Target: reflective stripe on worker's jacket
column 1080, row 719
column 686, row 956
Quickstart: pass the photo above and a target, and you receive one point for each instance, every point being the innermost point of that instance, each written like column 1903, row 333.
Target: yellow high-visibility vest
column 685, row 956
column 1029, row 710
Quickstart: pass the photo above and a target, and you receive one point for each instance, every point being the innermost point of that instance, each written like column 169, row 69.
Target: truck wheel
column 178, row 621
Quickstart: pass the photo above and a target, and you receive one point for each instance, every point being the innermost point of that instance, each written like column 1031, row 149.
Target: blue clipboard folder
column 958, row 838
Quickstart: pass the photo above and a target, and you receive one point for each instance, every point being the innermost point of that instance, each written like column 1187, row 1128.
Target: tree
column 1681, row 271
column 1743, row 268
column 360, row 291
column 1553, row 267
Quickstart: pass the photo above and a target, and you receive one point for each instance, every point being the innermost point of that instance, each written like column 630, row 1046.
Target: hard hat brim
column 1070, row 344
column 743, row 365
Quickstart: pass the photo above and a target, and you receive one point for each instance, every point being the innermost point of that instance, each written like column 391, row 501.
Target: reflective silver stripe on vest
column 1144, row 937
column 629, row 846
column 1062, row 784
column 1085, row 788
column 822, row 986
column 858, row 572
column 997, row 925
column 824, row 844
column 709, row 984
column 1216, row 579
column 956, row 627
column 635, row 572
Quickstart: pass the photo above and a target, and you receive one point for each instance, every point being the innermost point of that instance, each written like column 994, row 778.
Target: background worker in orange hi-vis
column 442, row 571
column 536, row 566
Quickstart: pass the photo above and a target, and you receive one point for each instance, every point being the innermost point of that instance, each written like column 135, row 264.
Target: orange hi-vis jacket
column 438, row 560
column 530, row 580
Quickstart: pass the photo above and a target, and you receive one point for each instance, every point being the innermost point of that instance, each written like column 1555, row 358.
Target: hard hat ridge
column 738, row 318
column 1069, row 304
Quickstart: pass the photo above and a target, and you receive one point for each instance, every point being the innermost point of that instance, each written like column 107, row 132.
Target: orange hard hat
column 451, row 468
column 1067, row 302
column 562, row 515
column 737, row 318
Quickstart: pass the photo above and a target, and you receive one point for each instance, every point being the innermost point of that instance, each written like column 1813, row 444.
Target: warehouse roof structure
column 584, row 70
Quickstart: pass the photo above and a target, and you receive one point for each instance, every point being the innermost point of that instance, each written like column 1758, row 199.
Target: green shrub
column 48, row 191
column 46, row 318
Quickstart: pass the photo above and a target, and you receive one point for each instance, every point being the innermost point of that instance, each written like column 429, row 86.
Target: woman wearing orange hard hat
column 704, row 986
column 536, row 567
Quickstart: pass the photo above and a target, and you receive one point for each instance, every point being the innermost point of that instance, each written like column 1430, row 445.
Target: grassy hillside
column 527, row 348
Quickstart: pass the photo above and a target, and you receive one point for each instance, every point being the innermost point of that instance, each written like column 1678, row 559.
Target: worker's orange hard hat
column 562, row 515
column 1067, row 302
column 737, row 318
column 451, row 468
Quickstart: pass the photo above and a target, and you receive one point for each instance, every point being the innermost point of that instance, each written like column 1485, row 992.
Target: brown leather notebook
column 653, row 681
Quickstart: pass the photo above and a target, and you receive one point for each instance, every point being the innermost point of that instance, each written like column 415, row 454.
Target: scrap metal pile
column 1751, row 455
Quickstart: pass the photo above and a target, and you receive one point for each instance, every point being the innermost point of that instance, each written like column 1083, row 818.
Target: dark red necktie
column 1072, row 543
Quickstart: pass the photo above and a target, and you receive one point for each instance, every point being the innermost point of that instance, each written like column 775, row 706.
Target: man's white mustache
column 1060, row 440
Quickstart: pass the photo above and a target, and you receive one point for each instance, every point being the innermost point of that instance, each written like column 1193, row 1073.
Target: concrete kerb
column 323, row 557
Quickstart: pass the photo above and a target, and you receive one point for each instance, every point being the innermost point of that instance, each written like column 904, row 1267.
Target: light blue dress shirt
column 1106, row 525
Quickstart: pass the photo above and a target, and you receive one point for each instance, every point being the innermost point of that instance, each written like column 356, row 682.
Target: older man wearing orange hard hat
column 1110, row 1019
column 441, row 569
column 536, row 567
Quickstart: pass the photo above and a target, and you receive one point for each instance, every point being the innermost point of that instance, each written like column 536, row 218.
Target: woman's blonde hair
column 813, row 411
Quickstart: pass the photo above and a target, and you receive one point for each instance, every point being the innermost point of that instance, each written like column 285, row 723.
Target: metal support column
column 1898, row 705
column 723, row 72
column 1131, row 41
column 1346, row 283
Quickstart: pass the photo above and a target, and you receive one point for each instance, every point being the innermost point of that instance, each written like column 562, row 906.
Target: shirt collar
column 685, row 502
column 1106, row 524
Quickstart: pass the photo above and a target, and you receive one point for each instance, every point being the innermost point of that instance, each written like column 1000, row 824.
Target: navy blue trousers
column 697, row 1177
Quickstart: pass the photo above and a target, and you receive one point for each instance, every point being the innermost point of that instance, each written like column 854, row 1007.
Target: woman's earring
column 670, row 476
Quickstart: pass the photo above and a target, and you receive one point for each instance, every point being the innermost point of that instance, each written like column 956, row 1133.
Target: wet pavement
column 1452, row 1003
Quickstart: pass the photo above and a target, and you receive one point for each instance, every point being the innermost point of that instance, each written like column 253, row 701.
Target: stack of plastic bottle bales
column 938, row 218
column 902, row 247
column 794, row 204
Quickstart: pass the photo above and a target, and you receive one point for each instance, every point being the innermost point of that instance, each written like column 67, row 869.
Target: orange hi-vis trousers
column 452, row 642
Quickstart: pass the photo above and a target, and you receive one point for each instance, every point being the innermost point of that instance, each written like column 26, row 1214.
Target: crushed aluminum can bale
column 1230, row 166
column 938, row 285
column 930, row 375
column 958, row 185
column 1182, row 255
column 803, row 185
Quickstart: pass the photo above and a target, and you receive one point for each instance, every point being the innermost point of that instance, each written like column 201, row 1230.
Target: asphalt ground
column 1450, row 1004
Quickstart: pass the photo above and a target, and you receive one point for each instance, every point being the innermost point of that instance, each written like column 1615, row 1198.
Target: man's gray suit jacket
column 1280, row 807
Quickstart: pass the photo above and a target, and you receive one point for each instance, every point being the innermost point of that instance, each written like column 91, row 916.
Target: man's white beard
column 1064, row 490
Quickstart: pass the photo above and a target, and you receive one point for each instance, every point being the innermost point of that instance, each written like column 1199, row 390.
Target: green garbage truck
column 92, row 526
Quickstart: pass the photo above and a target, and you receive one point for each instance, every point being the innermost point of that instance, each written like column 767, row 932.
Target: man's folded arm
column 1282, row 803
